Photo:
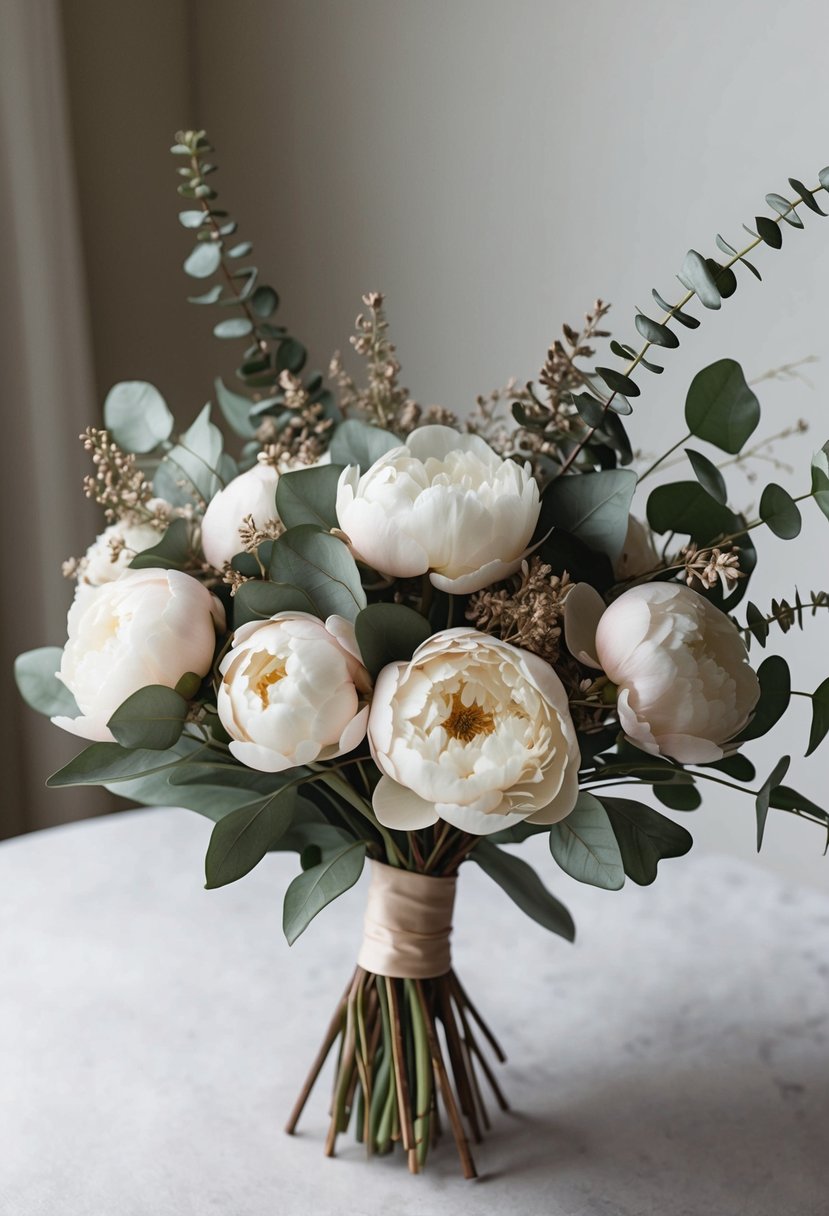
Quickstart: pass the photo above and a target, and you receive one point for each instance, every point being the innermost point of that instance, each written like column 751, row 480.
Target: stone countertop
column 153, row 1036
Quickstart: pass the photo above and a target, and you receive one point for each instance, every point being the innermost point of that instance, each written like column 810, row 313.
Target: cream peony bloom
column 445, row 502
column 251, row 493
column 146, row 627
column 638, row 554
column 293, row 691
column 685, row 684
column 474, row 731
column 110, row 554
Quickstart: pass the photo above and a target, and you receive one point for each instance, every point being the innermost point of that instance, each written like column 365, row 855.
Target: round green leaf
column 264, row 302
column 233, row 327
column 136, row 416
column 594, row 507
column 358, row 443
column 153, row 718
column 291, row 356
column 679, row 797
column 35, row 674
column 204, row 260
column 720, row 407
column 655, row 332
column 779, row 511
column 697, row 277
column 322, row 567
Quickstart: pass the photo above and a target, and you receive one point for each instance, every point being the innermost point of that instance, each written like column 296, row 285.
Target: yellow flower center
column 265, row 681
column 465, row 722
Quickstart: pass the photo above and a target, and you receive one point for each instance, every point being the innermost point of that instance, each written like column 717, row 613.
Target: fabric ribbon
column 407, row 924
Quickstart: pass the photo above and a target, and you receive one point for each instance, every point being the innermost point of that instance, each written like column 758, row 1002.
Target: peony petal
column 465, row 819
column 354, row 733
column 583, row 609
column 466, row 584
column 95, row 729
column 252, row 755
column 686, row 749
column 396, row 807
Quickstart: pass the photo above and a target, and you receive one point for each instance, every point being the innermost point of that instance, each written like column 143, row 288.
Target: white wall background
column 493, row 168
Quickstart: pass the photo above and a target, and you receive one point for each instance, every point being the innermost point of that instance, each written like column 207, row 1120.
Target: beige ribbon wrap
column 407, row 924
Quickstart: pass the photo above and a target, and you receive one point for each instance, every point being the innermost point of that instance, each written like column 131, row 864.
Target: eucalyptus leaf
column 389, row 633
column 775, row 695
column 204, row 260
column 697, row 277
column 236, row 409
column 585, row 846
column 109, row 763
column 678, row 797
column 152, row 717
column 322, row 567
column 618, row 382
column 768, row 231
column 594, row 507
column 189, row 471
column 708, row 476
column 737, row 767
column 779, row 511
column 35, row 674
column 358, row 443
column 525, row 888
column 291, row 356
column 720, row 408
column 784, row 209
column 240, row 840
column 309, row 496
column 655, row 332
column 820, row 479
column 259, row 600
column 264, row 301
column 762, row 800
column 645, row 837
column 233, row 327
column 314, row 889
column 136, row 416
column 174, row 550
column 820, row 716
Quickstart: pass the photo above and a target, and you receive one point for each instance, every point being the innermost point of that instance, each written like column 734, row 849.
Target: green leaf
column 322, row 567
column 258, row 600
column 684, row 318
column 720, row 408
column 357, row 443
column 644, row 837
column 291, row 356
column 806, row 195
column 192, row 219
column 696, row 276
column 617, row 382
column 764, row 794
column 233, row 327
column 108, row 763
column 173, row 552
column 737, row 767
column 768, row 231
column 240, row 840
column 655, row 332
column 518, row 833
column 236, row 409
column 204, row 260
column 153, row 717
column 189, row 471
column 312, row 890
column 389, row 633
column 820, row 479
column 784, row 798
column 241, row 250
column 264, row 302
column 679, row 797
column 35, row 674
column 757, row 623
column 585, row 846
column 211, row 296
column 309, row 496
column 307, row 831
column 708, row 476
column 136, row 416
column 779, row 511
column 685, row 507
column 820, row 716
column 784, row 209
column 525, row 888
column 775, row 695
column 724, row 277
column 594, row 507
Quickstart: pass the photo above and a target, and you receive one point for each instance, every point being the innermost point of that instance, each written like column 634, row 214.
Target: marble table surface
column 153, row 1035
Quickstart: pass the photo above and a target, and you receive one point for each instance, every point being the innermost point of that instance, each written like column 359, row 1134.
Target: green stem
column 664, row 456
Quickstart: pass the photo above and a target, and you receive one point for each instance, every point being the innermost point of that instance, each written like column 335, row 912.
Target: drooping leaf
column 645, row 837
column 108, row 763
column 585, row 846
column 594, row 507
column 720, row 408
column 153, row 717
column 764, row 794
column 358, row 443
column 236, row 409
column 389, row 633
column 708, row 476
column 784, row 209
column 190, row 470
column 321, row 566
column 757, row 623
column 775, row 695
column 309, row 496
column 240, row 840
column 779, row 511
column 820, row 716
column 136, row 416
column 314, row 889
column 784, row 798
column 525, row 888
column 35, row 674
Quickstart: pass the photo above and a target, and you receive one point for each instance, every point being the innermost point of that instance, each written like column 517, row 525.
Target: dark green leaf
column 644, row 837
column 737, row 767
column 680, row 797
column 240, row 840
column 820, row 479
column 757, row 623
column 696, row 276
column 764, row 794
column 655, row 332
column 108, row 763
column 357, row 443
column 204, row 260
column 685, row 507
column 724, row 277
column 211, row 296
column 684, row 318
column 784, row 798
column 264, row 302
column 35, row 673
column 312, row 890
column 591, row 410
column 594, row 507
column 173, row 551
column 525, row 888
column 136, row 416
column 259, row 601
column 309, row 496
column 153, row 718
column 233, row 327
column 291, row 356
column 708, row 476
column 720, row 407
column 585, row 846
column 389, row 633
column 779, row 511
column 518, row 833
column 775, row 695
column 321, row 566
column 820, row 716
column 784, row 209
column 617, row 382
column 768, row 231
column 806, row 195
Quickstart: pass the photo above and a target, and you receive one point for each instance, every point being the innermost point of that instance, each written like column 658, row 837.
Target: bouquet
column 388, row 634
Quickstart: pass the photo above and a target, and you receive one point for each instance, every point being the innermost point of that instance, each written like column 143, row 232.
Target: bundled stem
column 401, row 1046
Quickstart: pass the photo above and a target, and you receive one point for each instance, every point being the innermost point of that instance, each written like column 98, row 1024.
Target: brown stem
column 487, row 1033
column 457, row 1059
column 467, row 1163
column 404, row 1103
column 334, row 1028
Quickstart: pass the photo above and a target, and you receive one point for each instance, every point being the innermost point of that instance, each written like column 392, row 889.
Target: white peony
column 444, row 502
column 638, row 554
column 147, row 627
column 110, row 554
column 252, row 493
column 475, row 732
column 293, row 691
column 685, row 684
